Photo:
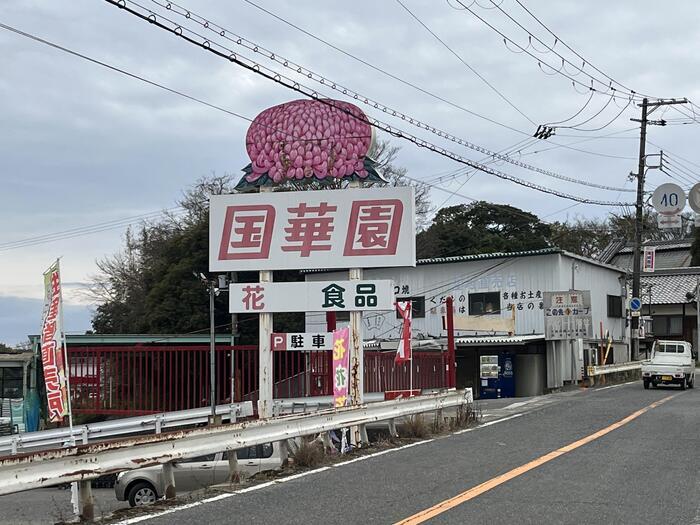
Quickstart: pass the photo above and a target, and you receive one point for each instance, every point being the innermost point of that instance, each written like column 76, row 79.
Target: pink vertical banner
column 341, row 366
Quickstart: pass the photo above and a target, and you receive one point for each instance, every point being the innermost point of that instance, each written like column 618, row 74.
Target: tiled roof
column 673, row 244
column 482, row 256
column 678, row 258
column 671, row 287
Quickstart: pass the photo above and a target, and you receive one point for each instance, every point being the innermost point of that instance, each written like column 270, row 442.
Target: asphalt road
column 645, row 470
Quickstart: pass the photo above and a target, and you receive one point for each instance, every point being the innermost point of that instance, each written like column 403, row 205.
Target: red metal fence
column 134, row 380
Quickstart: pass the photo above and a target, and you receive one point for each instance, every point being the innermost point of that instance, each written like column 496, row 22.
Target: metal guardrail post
column 392, row 428
column 87, row 501
column 169, row 481
column 14, row 445
column 364, row 440
column 234, row 474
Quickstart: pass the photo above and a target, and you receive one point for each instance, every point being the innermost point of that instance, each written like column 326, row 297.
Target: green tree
column 482, row 227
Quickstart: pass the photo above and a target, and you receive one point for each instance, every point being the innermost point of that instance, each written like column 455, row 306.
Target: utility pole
column 639, row 218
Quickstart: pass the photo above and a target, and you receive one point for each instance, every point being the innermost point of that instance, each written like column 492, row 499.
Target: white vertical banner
column 53, row 358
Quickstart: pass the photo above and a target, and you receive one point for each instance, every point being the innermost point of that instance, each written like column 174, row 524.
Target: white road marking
column 219, row 497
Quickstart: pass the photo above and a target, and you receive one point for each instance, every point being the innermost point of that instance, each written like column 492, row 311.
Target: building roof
column 671, row 286
column 497, row 255
column 673, row 253
column 499, row 340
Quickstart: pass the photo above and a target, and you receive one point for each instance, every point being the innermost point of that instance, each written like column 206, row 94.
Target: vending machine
column 497, row 376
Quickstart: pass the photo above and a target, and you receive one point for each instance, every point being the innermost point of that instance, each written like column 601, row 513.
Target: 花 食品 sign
column 311, row 296
column 350, row 228
column 567, row 315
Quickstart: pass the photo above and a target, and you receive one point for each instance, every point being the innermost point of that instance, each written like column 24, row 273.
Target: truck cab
column 671, row 363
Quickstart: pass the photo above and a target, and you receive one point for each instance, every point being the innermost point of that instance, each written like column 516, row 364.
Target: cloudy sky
column 81, row 145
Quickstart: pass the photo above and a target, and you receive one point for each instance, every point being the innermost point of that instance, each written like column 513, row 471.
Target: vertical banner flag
column 51, row 346
column 649, row 259
column 403, row 352
column 341, row 366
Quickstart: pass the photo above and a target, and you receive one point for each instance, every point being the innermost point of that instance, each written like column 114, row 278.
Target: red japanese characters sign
column 51, row 347
column 351, row 228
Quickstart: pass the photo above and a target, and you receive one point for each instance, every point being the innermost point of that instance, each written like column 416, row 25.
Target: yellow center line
column 473, row 492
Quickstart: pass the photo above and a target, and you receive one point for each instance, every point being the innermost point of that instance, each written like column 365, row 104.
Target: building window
column 667, row 325
column 484, row 303
column 342, row 317
column 417, row 307
column 11, row 382
column 614, row 306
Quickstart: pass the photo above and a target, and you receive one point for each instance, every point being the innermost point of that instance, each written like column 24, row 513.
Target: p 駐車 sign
column 301, row 341
column 350, row 228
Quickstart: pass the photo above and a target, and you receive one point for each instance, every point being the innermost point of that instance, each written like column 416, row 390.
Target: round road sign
column 668, row 199
column 635, row 304
column 694, row 198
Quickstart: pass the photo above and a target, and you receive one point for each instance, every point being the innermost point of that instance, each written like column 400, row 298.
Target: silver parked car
column 144, row 486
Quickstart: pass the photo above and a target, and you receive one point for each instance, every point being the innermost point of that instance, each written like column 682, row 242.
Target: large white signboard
column 567, row 315
column 318, row 296
column 349, row 228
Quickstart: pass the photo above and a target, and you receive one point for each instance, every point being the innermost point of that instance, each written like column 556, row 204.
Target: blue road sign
column 635, row 304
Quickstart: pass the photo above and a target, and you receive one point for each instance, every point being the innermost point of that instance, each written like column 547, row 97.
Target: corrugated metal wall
column 519, row 281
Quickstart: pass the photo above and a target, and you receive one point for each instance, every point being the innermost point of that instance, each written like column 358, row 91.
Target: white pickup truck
column 672, row 362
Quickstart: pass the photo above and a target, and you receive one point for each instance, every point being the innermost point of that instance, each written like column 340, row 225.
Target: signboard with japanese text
column 341, row 366
column 349, row 228
column 567, row 315
column 311, row 296
column 304, row 341
column 52, row 356
column 649, row 259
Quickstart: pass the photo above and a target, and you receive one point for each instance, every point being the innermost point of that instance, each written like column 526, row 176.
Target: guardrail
column 53, row 467
column 133, row 425
column 614, row 368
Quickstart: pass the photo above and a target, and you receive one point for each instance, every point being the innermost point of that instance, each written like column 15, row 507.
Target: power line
column 554, row 69
column 81, row 231
column 328, row 83
column 405, row 82
column 585, row 61
column 293, row 85
column 464, row 62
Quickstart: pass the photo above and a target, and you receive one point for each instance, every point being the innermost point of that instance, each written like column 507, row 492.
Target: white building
column 492, row 289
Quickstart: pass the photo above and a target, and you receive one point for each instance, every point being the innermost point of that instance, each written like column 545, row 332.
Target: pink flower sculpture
column 306, row 139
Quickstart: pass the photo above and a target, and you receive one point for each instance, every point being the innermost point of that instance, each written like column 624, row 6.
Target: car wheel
column 646, row 385
column 142, row 493
column 683, row 384
column 653, row 383
column 692, row 383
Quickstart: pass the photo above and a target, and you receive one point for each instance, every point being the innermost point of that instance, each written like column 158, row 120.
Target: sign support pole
column 451, row 359
column 265, row 371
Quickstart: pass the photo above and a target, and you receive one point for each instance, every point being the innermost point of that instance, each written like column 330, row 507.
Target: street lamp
column 213, row 290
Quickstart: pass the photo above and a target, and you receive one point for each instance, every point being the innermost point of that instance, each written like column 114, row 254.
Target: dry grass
column 309, row 454
column 414, row 427
column 466, row 416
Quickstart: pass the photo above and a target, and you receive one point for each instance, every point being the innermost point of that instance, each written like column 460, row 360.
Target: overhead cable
column 231, row 55
column 464, row 62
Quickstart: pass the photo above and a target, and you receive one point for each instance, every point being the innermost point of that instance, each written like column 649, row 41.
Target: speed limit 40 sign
column 669, row 200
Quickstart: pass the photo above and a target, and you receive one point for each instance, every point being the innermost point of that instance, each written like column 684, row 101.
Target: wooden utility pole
column 639, row 218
